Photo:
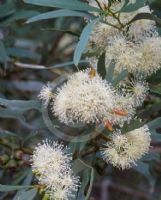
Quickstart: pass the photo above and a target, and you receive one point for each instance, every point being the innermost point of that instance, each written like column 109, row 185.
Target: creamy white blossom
column 137, row 87
column 52, row 166
column 143, row 57
column 137, row 31
column 124, row 111
column 125, row 53
column 46, row 94
column 142, row 28
column 151, row 55
column 99, row 38
column 125, row 149
column 84, row 99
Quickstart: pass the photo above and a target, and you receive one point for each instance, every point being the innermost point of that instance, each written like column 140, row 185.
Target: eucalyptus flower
column 126, row 149
column 137, row 87
column 52, row 166
column 151, row 59
column 142, row 57
column 85, row 98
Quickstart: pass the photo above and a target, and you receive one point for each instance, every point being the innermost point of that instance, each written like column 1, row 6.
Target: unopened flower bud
column 19, row 154
column 108, row 125
column 4, row 159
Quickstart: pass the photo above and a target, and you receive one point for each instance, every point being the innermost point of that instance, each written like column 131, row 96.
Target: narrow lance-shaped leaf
column 59, row 13
column 132, row 7
column 120, row 77
column 90, row 184
column 33, row 66
column 67, row 4
column 23, row 53
column 83, row 40
column 146, row 16
column 16, row 108
column 7, row 188
column 110, row 71
column 3, row 54
column 87, row 179
column 101, row 68
column 19, row 15
column 143, row 168
column 156, row 123
column 28, row 195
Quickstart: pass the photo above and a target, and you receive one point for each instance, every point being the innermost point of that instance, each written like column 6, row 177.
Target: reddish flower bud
column 120, row 112
column 108, row 125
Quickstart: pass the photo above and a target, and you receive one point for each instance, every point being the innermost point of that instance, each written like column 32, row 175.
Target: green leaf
column 59, row 13
column 31, row 135
column 7, row 9
column 78, row 166
column 27, row 195
column 156, row 123
column 147, row 16
column 101, row 66
column 8, row 188
column 84, row 183
column 132, row 7
column 134, row 124
column 155, row 78
column 19, row 15
column 83, row 41
column 21, row 178
column 27, row 179
column 151, row 156
column 153, row 125
column 67, row 4
column 110, row 71
column 3, row 54
column 156, row 89
column 155, row 136
column 88, row 178
column 5, row 133
column 23, row 53
column 120, row 77
column 154, row 108
column 90, row 184
column 16, row 108
column 141, row 16
column 143, row 168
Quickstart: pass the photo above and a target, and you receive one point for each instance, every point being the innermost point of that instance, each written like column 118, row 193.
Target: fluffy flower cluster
column 125, row 149
column 137, row 87
column 83, row 99
column 51, row 165
column 143, row 57
column 138, row 49
column 137, row 30
column 86, row 99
